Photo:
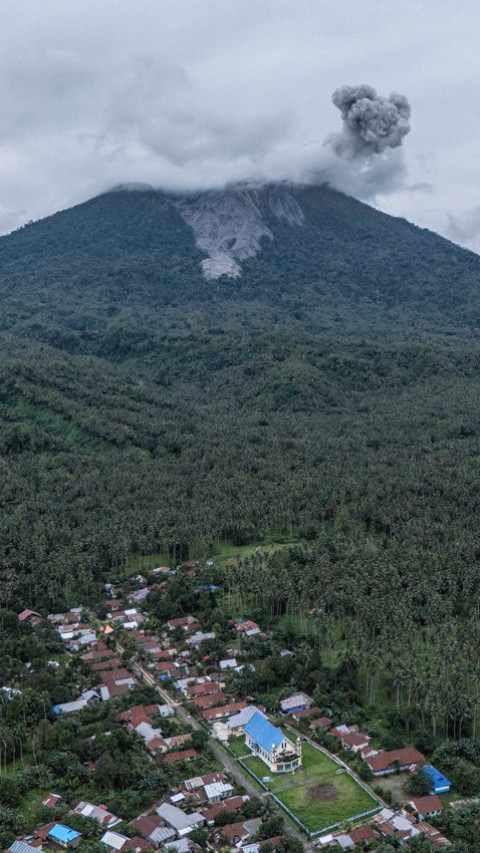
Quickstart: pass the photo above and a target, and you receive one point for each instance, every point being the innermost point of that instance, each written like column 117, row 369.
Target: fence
column 299, row 823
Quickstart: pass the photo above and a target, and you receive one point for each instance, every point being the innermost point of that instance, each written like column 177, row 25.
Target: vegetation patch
column 318, row 806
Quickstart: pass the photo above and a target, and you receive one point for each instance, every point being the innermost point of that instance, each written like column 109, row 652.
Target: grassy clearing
column 326, row 802
column 257, row 766
column 238, row 745
column 320, row 793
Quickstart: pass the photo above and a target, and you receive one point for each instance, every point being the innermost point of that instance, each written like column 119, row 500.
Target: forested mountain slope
column 333, row 383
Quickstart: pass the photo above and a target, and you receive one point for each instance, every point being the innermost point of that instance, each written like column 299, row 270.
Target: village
column 232, row 774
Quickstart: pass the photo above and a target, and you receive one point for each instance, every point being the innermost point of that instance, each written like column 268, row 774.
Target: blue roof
column 263, row 733
column 63, row 833
column 438, row 779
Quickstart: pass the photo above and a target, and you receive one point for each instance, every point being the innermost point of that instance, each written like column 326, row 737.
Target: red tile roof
column 427, row 805
column 185, row 755
column 27, row 614
column 362, row 833
column 230, row 805
column 224, row 710
column 209, row 700
column 202, row 689
column 405, row 757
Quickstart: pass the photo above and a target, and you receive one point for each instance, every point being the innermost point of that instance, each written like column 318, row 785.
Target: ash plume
column 371, row 123
column 366, row 158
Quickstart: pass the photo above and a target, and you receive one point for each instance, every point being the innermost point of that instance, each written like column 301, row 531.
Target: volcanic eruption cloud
column 372, row 125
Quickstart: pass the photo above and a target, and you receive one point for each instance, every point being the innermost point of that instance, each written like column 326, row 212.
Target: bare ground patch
column 323, row 793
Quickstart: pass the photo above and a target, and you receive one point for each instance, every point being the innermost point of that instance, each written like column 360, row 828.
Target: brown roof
column 355, row 739
column 137, row 843
column 117, row 689
column 51, row 801
column 209, row 700
column 305, row 712
column 384, row 760
column 114, row 674
column 164, row 665
column 163, row 654
column 224, row 710
column 185, row 755
column 202, row 689
column 323, row 722
column 27, row 614
column 100, row 665
column 234, row 830
column 427, row 805
column 182, row 622
column 230, row 805
column 178, row 740
column 362, row 833
column 99, row 655
column 42, row 831
column 157, row 743
column 147, row 823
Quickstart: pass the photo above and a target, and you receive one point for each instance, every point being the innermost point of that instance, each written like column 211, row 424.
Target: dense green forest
column 331, row 391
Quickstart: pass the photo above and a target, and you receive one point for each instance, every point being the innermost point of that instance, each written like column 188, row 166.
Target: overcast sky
column 188, row 94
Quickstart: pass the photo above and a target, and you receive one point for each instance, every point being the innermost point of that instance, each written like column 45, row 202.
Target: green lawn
column 320, row 793
column 328, row 801
column 257, row 766
column 239, row 747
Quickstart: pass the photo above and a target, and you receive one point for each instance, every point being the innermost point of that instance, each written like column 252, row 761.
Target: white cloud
column 182, row 94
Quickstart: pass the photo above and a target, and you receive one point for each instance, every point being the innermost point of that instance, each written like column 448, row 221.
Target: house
column 216, row 791
column 402, row 825
column 202, row 689
column 440, row 783
column 22, row 847
column 426, row 806
column 397, row 759
column 254, row 846
column 152, row 828
column 246, row 627
column 209, row 700
column 152, row 737
column 98, row 813
column 230, row 805
column 188, row 623
column 324, row 723
column 305, row 713
column 272, row 746
column 181, row 822
column 343, row 729
column 51, row 801
column 296, row 702
column 199, row 637
column 197, row 782
column 64, row 836
column 238, row 832
column 228, row 663
column 185, row 755
column 31, row 617
column 237, row 723
column 87, row 698
column 177, row 740
column 114, row 840
column 182, row 845
column 355, row 742
column 137, row 844
column 223, row 711
column 346, row 840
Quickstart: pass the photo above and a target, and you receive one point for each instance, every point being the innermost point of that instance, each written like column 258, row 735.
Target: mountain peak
column 230, row 224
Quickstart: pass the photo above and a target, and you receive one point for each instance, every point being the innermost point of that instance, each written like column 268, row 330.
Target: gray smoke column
column 371, row 123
